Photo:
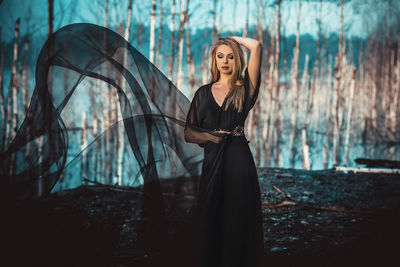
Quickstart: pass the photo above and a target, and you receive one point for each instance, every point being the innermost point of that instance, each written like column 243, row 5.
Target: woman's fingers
column 223, row 132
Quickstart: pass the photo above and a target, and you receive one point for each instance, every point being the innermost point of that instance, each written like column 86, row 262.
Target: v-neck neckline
column 212, row 96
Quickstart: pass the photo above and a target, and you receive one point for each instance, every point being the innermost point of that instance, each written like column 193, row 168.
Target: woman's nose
column 226, row 60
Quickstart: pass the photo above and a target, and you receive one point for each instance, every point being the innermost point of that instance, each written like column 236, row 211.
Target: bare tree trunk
column 24, row 77
column 305, row 89
column 128, row 21
column 338, row 73
column 3, row 122
column 120, row 129
column 246, row 28
column 395, row 81
column 315, row 80
column 189, row 57
column 204, row 69
column 83, row 146
column 349, row 114
column 214, row 29
column 278, row 120
column 295, row 90
column 180, row 42
column 171, row 58
column 152, row 30
column 221, row 4
column 266, row 135
column 257, row 112
column 160, row 39
column 234, row 17
column 106, row 15
column 12, row 107
column 51, row 16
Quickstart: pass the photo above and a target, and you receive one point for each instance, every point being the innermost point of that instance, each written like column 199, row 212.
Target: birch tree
column 152, row 30
column 160, row 36
column 180, row 45
column 13, row 88
column 295, row 89
column 3, row 121
column 189, row 57
column 172, row 54
column 338, row 71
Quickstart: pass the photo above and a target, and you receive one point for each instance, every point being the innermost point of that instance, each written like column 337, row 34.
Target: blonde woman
column 229, row 203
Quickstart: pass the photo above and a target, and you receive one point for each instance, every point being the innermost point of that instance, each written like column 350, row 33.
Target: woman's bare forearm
column 255, row 59
column 193, row 136
column 249, row 43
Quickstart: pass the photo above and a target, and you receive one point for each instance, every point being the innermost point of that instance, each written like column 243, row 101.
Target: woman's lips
column 224, row 67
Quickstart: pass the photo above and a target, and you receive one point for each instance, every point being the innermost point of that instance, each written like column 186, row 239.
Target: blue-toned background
column 323, row 102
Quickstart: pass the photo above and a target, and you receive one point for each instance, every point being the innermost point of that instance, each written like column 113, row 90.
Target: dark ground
column 95, row 226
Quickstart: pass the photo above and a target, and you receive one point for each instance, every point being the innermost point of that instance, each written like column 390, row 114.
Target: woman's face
column 224, row 59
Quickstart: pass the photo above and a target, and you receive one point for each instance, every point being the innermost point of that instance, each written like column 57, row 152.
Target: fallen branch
column 290, row 202
column 367, row 170
column 111, row 187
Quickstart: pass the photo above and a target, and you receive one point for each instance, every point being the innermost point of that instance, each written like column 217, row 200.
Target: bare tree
column 234, row 17
column 51, row 16
column 128, row 21
column 278, row 118
column 189, row 57
column 246, row 28
column 338, row 72
column 106, row 15
column 3, row 121
column 214, row 28
column 172, row 55
column 180, row 45
column 221, row 4
column 152, row 30
column 269, row 75
column 349, row 114
column 12, row 107
column 23, row 74
column 295, row 89
column 84, row 145
column 160, row 33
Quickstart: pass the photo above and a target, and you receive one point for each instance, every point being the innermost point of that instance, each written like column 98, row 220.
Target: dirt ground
column 328, row 219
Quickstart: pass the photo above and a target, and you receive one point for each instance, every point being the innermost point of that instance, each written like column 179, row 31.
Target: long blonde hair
column 236, row 94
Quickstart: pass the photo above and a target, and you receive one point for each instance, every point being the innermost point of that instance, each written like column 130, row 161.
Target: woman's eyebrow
column 223, row 53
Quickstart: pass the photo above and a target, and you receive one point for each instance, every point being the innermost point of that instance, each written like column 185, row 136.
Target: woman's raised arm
column 255, row 60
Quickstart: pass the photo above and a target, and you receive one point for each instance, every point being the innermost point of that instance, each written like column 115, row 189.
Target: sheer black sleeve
column 251, row 99
column 192, row 117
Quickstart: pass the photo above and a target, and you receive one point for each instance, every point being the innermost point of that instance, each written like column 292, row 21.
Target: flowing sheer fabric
column 154, row 115
column 153, row 119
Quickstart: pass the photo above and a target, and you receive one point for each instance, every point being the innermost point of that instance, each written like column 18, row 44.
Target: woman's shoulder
column 202, row 89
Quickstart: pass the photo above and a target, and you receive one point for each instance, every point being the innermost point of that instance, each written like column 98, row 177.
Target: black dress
column 229, row 207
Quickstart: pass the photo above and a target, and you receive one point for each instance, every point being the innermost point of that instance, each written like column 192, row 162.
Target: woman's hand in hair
column 255, row 59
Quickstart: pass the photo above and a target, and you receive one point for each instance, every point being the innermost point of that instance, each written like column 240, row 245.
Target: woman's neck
column 224, row 79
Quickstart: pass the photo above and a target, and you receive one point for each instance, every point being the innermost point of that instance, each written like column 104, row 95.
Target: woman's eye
column 230, row 57
column 219, row 56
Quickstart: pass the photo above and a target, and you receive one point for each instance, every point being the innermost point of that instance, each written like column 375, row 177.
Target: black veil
column 153, row 117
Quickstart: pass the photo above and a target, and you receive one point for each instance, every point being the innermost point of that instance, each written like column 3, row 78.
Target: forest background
column 330, row 87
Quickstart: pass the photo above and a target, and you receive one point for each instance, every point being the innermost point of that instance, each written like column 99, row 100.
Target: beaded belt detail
column 238, row 131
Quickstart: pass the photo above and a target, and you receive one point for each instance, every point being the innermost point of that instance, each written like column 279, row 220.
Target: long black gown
column 229, row 206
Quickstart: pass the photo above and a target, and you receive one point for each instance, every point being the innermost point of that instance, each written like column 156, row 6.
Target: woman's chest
column 212, row 116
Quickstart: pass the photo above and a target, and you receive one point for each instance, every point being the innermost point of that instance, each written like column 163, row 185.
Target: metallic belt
column 236, row 131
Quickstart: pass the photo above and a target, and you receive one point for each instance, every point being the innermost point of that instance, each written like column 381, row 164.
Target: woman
column 229, row 204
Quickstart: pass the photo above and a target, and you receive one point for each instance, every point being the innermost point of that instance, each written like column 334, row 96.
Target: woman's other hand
column 218, row 136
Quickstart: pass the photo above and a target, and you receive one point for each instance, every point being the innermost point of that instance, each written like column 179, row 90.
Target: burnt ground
column 96, row 226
